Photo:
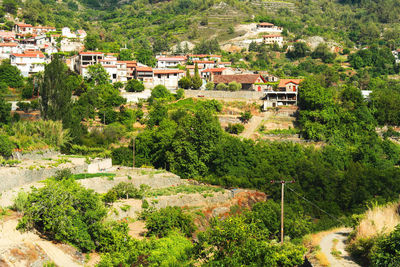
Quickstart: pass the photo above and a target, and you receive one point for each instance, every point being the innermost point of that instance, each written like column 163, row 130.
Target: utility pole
column 282, row 182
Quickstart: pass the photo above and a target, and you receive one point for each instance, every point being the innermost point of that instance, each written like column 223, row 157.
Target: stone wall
column 248, row 95
column 11, row 177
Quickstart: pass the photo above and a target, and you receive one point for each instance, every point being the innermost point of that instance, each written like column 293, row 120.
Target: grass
column 378, row 220
column 185, row 189
column 282, row 132
column 322, row 259
column 80, row 176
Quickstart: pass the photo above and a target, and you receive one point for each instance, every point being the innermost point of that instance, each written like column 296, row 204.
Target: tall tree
column 196, row 80
column 55, row 94
column 98, row 75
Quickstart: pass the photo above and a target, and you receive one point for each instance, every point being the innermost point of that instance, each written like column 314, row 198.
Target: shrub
column 234, row 86
column 27, row 91
column 387, row 250
column 180, row 93
column 25, row 106
column 185, row 83
column 122, row 156
column 127, row 190
column 6, row 146
column 245, row 116
column 21, row 201
column 221, row 87
column 160, row 223
column 134, row 85
column 63, row 174
column 235, row 128
column 65, row 211
column 210, row 86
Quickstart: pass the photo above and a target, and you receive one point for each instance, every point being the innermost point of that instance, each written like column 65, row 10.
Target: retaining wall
column 250, row 95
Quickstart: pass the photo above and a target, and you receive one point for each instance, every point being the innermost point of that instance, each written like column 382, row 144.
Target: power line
column 314, row 205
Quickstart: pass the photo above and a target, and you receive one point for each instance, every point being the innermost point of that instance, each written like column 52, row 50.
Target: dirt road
column 329, row 244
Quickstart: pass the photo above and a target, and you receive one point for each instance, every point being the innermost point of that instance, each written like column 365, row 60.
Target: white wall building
column 268, row 27
column 29, row 62
column 67, row 33
column 273, row 38
column 6, row 49
column 169, row 62
column 168, row 78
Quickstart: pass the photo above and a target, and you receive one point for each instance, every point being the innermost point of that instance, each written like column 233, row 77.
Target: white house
column 67, row 33
column 169, row 62
column 81, row 34
column 6, row 36
column 86, row 59
column 9, row 48
column 268, row 27
column 205, row 64
column 285, row 94
column 216, row 58
column 167, row 77
column 29, row 62
column 23, row 28
column 273, row 38
column 43, row 29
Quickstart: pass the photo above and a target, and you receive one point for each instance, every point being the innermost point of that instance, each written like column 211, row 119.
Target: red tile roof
column 271, row 35
column 141, row 68
column 240, row 78
column 225, row 63
column 265, row 24
column 9, row 44
column 283, row 82
column 30, row 54
column 23, row 25
column 91, row 53
column 203, row 55
column 203, row 61
column 177, row 58
column 167, row 71
column 214, row 70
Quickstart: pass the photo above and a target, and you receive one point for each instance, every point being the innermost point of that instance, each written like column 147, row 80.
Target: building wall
column 251, row 95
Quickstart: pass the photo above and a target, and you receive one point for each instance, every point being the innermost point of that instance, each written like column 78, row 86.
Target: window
column 114, row 76
column 159, row 76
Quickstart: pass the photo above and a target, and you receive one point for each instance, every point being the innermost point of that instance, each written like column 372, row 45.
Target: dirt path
column 17, row 247
column 328, row 244
column 251, row 127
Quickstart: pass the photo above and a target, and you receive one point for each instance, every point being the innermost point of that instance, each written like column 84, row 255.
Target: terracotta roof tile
column 240, row 78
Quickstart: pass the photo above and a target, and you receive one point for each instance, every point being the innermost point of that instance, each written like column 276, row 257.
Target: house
column 285, row 94
column 67, row 33
column 130, row 68
column 9, row 48
column 224, row 64
column 23, row 28
column 273, row 38
column 215, row 58
column 144, row 74
column 167, row 77
column 81, row 34
column 6, row 36
column 205, row 64
column 86, row 59
column 191, row 69
column 43, row 29
column 250, row 82
column 268, row 27
column 170, row 62
column 208, row 74
column 29, row 62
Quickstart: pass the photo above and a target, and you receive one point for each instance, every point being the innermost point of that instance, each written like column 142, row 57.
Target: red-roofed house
column 172, row 61
column 273, row 38
column 252, row 82
column 205, row 64
column 204, row 57
column 167, row 77
column 130, row 68
column 144, row 74
column 268, row 27
column 9, row 48
column 285, row 94
column 23, row 28
column 7, row 36
column 209, row 74
column 29, row 62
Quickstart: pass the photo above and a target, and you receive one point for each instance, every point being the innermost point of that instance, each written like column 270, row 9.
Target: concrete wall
column 99, row 165
column 251, row 95
column 11, row 177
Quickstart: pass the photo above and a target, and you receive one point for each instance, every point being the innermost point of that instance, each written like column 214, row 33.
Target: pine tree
column 196, row 80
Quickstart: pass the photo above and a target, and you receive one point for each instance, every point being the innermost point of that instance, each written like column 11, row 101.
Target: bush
column 65, row 211
column 122, row 156
column 21, row 201
column 126, row 190
column 221, row 87
column 160, row 223
column 235, row 128
column 185, row 83
column 234, row 86
column 210, row 86
column 6, row 146
column 24, row 106
column 180, row 93
column 387, row 250
column 134, row 85
column 245, row 116
column 27, row 91
column 63, row 174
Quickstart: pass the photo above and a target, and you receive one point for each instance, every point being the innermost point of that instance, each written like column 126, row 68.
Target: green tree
column 10, row 75
column 134, row 85
column 92, row 42
column 10, row 6
column 210, row 86
column 125, row 54
column 196, row 80
column 300, row 49
column 6, row 146
column 97, row 75
column 221, row 87
column 234, row 86
column 55, row 95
